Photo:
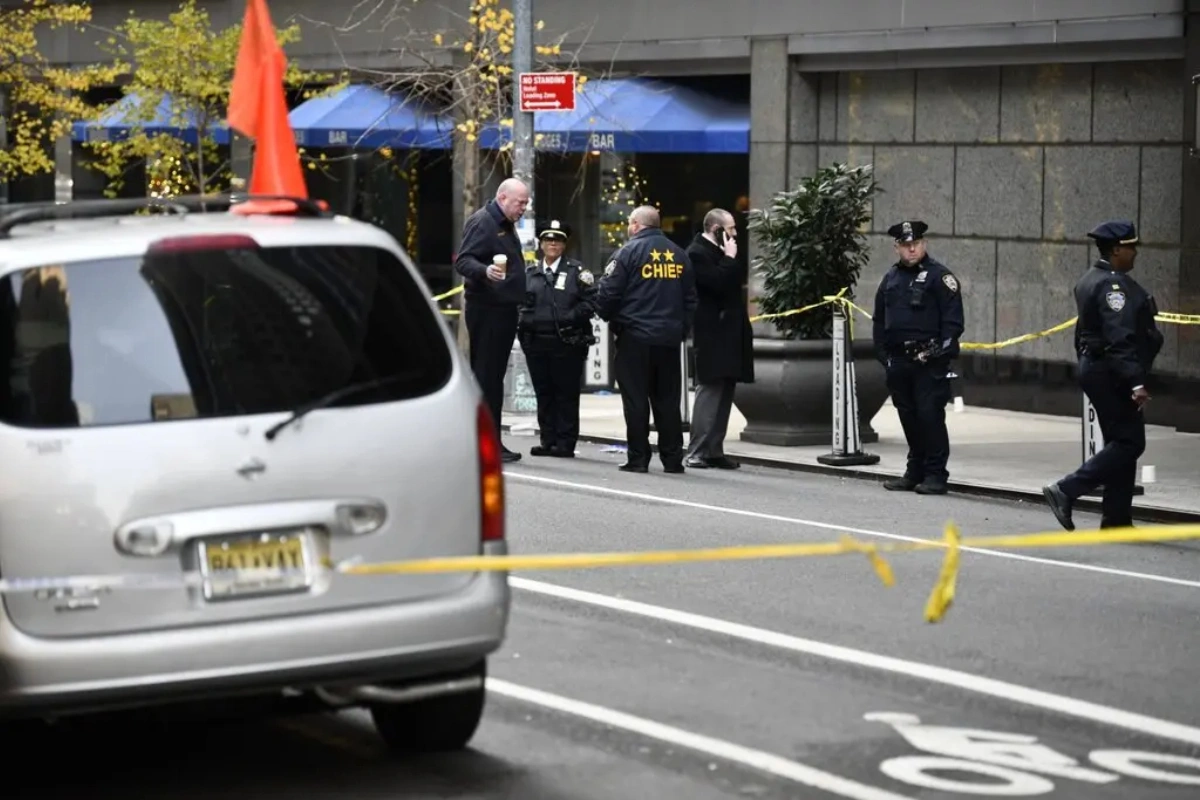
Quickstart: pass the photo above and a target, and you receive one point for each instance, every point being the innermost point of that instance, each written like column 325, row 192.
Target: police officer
column 1117, row 340
column 648, row 292
column 555, row 331
column 918, row 320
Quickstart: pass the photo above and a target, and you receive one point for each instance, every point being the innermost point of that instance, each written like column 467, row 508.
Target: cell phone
column 719, row 235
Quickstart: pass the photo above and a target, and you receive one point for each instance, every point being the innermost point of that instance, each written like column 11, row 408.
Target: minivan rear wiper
column 328, row 399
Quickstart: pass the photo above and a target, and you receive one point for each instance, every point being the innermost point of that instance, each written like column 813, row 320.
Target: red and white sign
column 547, row 91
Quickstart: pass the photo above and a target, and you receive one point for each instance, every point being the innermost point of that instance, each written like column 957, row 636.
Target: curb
column 1154, row 514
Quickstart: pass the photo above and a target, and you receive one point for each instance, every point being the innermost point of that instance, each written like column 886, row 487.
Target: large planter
column 790, row 403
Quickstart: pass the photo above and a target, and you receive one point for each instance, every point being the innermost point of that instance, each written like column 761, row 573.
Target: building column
column 769, row 70
column 1189, row 265
column 783, row 135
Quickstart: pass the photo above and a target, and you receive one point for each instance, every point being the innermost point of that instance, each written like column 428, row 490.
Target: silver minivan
column 203, row 413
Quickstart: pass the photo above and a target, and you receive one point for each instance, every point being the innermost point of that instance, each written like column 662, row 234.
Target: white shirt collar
column 551, row 265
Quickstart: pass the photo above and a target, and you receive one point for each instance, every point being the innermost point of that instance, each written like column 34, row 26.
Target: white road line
column 741, row 512
column 926, row 672
column 726, row 751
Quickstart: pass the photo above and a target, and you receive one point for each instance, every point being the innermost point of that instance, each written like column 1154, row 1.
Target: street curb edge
column 1142, row 513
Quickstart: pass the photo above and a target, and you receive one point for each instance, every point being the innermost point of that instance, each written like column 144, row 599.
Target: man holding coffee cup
column 492, row 264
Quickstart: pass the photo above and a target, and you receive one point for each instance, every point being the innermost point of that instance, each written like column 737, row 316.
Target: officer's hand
column 730, row 247
column 494, row 273
column 1141, row 396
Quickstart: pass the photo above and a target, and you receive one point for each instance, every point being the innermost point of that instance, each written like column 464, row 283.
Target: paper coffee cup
column 501, row 263
column 1149, row 474
column 959, row 406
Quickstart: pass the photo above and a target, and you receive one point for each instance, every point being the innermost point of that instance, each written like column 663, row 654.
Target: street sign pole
column 523, row 152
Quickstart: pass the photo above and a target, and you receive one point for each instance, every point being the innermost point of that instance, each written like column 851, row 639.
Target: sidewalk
column 992, row 452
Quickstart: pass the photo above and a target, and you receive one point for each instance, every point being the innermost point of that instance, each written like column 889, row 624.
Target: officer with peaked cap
column 555, row 332
column 917, row 323
column 1117, row 340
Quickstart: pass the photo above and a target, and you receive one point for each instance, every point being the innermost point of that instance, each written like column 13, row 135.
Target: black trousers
column 920, row 393
column 1115, row 465
column 491, row 330
column 557, row 373
column 650, row 378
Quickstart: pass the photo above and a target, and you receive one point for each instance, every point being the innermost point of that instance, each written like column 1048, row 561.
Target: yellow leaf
column 437, row 39
column 540, row 24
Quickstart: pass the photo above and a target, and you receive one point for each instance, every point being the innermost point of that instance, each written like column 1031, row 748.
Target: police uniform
column 555, row 332
column 1117, row 340
column 917, row 323
column 648, row 293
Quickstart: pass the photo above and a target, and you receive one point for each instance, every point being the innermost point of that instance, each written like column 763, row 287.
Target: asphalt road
column 1066, row 673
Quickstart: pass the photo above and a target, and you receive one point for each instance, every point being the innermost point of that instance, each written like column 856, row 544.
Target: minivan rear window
column 212, row 333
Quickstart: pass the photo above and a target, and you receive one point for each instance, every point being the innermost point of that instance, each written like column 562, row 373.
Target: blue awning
column 368, row 117
column 639, row 115
column 126, row 115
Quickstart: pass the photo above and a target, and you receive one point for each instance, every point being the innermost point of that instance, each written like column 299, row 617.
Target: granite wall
column 1010, row 166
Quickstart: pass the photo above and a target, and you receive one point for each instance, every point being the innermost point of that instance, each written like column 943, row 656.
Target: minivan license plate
column 270, row 563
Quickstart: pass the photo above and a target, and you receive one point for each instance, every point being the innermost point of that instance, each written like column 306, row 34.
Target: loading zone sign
column 972, row 762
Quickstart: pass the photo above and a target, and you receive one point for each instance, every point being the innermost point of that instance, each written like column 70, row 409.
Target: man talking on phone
column 724, row 340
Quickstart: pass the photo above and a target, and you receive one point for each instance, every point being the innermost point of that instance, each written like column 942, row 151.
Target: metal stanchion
column 1093, row 442
column 685, row 406
column 847, row 437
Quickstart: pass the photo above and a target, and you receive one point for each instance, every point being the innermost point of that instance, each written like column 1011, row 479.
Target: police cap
column 1115, row 232
column 556, row 231
column 908, row 231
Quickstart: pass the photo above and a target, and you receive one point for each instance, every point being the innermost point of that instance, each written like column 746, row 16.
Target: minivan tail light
column 191, row 244
column 491, row 477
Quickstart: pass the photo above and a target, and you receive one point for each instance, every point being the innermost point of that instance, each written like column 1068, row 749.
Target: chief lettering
column 662, row 271
column 1115, row 300
column 950, row 281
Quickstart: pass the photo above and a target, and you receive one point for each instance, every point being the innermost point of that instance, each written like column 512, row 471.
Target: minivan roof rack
column 95, row 209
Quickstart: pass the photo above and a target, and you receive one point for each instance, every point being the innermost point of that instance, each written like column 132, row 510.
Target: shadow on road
column 314, row 756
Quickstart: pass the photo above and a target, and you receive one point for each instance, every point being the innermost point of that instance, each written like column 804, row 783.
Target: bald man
column 648, row 295
column 493, row 291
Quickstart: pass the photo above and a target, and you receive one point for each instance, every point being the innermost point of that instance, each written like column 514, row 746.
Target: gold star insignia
column 654, row 255
column 669, row 255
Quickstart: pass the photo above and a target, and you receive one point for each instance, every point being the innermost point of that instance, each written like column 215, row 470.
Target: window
column 212, row 333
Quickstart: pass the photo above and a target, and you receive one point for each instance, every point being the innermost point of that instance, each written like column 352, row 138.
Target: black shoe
column 724, row 462
column 931, row 487
column 674, row 469
column 628, row 467
column 508, row 456
column 1060, row 504
column 558, row 451
column 902, row 484
column 541, row 450
column 697, row 463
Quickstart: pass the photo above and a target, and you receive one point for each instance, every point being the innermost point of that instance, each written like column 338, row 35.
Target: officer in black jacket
column 648, row 292
column 1117, row 341
column 555, row 331
column 917, row 323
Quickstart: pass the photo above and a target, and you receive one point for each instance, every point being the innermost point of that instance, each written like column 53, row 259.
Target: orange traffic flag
column 258, row 109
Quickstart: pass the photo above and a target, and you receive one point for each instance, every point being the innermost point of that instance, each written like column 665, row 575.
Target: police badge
column 586, row 278
column 612, row 265
column 1115, row 300
column 950, row 281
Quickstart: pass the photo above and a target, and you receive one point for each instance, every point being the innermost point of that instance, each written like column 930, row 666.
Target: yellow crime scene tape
column 849, row 305
column 940, row 599
column 841, row 299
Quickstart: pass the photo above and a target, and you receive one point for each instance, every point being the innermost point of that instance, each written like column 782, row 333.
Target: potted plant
column 810, row 245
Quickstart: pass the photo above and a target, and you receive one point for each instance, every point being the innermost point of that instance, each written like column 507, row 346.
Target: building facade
column 1011, row 128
